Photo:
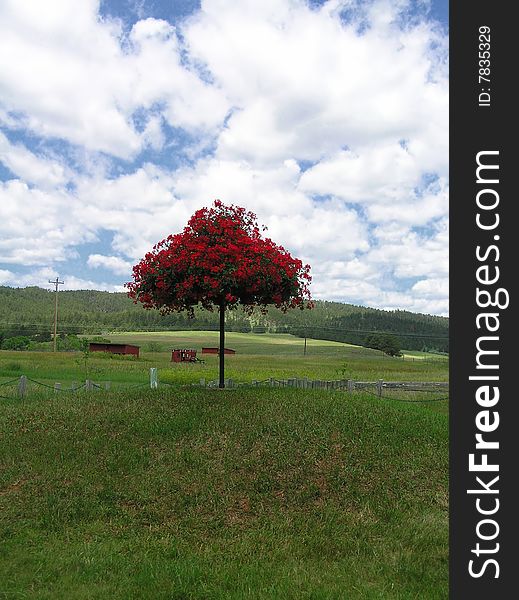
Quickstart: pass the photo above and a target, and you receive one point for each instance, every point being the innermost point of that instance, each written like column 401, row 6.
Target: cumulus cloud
column 112, row 263
column 329, row 122
column 43, row 276
column 77, row 77
column 6, row 277
column 42, row 171
column 304, row 83
column 431, row 287
column 37, row 226
column 66, row 76
column 412, row 255
column 71, row 282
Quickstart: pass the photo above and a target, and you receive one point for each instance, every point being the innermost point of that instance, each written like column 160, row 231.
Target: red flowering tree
column 220, row 261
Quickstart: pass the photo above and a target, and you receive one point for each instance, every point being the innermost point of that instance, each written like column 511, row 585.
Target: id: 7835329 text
column 484, row 66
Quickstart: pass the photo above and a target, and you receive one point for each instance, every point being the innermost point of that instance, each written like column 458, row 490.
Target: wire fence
column 380, row 388
column 24, row 386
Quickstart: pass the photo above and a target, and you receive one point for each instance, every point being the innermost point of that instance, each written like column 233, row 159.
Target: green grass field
column 185, row 493
column 258, row 356
column 209, row 494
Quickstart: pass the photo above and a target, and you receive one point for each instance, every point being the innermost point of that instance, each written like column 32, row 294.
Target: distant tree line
column 66, row 342
column 29, row 312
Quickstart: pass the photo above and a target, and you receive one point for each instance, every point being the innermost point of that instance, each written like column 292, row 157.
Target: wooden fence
column 348, row 385
column 20, row 386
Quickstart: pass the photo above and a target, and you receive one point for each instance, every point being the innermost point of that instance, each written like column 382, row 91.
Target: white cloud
column 139, row 208
column 76, row 283
column 367, row 108
column 43, row 276
column 38, row 227
column 161, row 78
column 6, row 277
column 416, row 209
column 42, row 171
column 432, row 287
column 413, row 255
column 328, row 231
column 76, row 77
column 112, row 263
column 68, row 73
column 306, row 84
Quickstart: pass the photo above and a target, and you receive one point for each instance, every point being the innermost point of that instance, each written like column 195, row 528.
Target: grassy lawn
column 208, row 494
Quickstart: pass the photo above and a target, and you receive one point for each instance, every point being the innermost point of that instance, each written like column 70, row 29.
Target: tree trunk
column 222, row 345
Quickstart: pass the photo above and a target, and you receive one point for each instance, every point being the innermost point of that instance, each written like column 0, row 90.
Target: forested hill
column 30, row 311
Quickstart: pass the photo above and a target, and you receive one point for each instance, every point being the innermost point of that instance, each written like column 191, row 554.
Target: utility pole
column 56, row 283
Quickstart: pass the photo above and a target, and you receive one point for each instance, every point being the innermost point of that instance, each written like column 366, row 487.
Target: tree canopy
column 220, row 259
column 388, row 343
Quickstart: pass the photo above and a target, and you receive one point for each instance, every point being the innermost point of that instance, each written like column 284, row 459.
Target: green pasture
column 417, row 355
column 191, row 494
column 258, row 357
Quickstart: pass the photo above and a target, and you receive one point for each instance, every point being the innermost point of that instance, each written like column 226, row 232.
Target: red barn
column 114, row 348
column 216, row 351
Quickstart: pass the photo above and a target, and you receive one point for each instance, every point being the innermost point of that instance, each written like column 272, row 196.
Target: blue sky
column 329, row 119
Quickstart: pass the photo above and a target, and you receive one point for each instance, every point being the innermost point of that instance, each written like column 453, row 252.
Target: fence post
column 22, row 386
column 57, row 387
column 88, row 385
column 154, row 383
column 350, row 385
column 271, row 381
column 202, row 381
column 380, row 383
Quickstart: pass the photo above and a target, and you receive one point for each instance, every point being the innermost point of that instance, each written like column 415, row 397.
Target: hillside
column 29, row 311
column 265, row 494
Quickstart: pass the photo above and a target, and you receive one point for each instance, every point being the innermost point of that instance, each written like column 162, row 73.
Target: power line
column 210, row 327
column 341, row 330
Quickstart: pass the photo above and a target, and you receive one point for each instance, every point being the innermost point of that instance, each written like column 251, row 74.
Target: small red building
column 216, row 351
column 183, row 355
column 114, row 348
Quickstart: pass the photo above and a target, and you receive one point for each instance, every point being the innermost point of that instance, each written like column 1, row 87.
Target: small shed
column 114, row 348
column 183, row 355
column 217, row 350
